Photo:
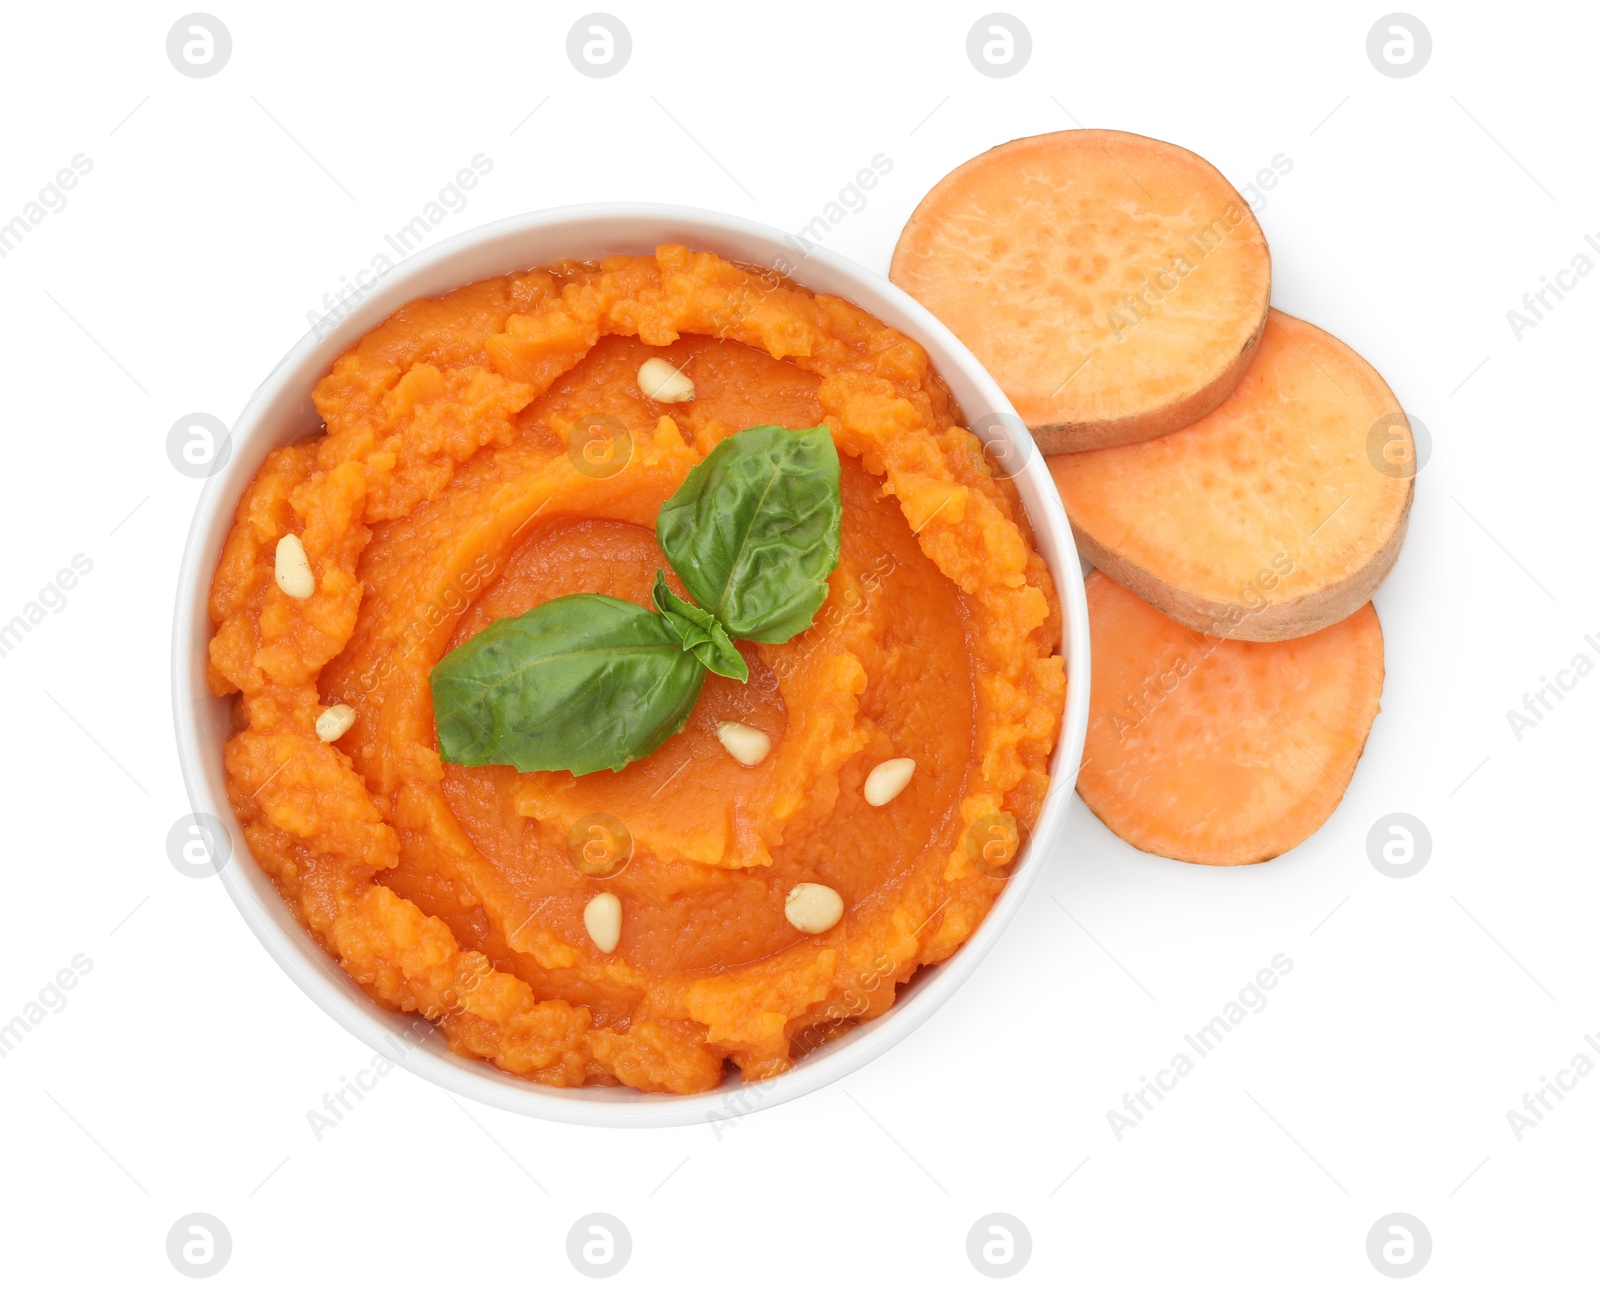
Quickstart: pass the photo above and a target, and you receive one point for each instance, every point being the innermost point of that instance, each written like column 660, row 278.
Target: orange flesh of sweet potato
column 1274, row 516
column 1115, row 286
column 1221, row 752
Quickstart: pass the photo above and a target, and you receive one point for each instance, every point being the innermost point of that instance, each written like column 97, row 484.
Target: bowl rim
column 407, row 1039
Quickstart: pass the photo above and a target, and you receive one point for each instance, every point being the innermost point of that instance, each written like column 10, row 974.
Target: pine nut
column 334, row 721
column 813, row 908
column 746, row 744
column 887, row 779
column 292, row 570
column 663, row 383
column 602, row 917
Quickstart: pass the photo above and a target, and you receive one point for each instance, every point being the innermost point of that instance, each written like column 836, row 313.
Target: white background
column 179, row 1075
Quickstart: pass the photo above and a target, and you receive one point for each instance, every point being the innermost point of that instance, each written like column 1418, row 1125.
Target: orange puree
column 443, row 496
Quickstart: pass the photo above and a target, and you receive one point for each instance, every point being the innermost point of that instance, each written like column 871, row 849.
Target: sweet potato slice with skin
column 1115, row 286
column 1275, row 515
column 1221, row 752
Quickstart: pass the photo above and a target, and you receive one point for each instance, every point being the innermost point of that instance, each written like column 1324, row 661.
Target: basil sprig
column 700, row 632
column 588, row 682
column 564, row 687
column 753, row 532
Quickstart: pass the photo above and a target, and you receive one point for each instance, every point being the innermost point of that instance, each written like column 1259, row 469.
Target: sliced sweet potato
column 1115, row 286
column 1275, row 515
column 1221, row 752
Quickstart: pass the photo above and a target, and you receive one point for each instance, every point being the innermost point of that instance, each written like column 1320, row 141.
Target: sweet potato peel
column 1241, row 479
column 1216, row 751
column 1115, row 286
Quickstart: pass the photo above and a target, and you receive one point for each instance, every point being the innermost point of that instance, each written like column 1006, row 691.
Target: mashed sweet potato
column 459, row 480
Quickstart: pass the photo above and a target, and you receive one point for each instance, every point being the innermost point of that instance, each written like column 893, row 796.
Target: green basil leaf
column 753, row 531
column 699, row 632
column 578, row 684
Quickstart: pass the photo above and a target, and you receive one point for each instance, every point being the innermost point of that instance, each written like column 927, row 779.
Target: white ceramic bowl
column 281, row 410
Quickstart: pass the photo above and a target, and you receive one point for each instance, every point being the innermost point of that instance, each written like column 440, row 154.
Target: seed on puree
column 493, row 450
